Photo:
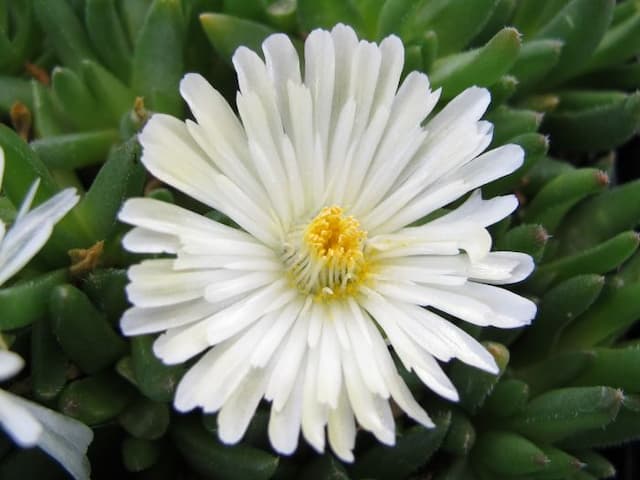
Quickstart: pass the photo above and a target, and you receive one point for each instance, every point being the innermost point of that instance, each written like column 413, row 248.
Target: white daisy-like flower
column 27, row 423
column 326, row 173
column 31, row 425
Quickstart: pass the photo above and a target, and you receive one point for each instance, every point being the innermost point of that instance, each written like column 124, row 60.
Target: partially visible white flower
column 27, row 423
column 31, row 228
column 31, row 425
column 325, row 172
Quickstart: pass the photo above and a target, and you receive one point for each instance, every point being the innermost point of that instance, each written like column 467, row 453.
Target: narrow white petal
column 64, row 439
column 509, row 310
column 467, row 106
column 237, row 411
column 232, row 287
column 141, row 240
column 412, row 356
column 329, row 374
column 230, row 369
column 31, row 231
column 361, row 345
column 283, row 66
column 502, row 267
column 483, row 212
column 314, row 413
column 179, row 344
column 342, row 429
column 27, row 200
column 10, row 364
column 398, row 389
column 319, row 76
column 284, row 423
column 371, row 411
column 232, row 320
column 140, row 321
column 289, row 365
column 215, row 115
column 283, row 319
column 427, row 328
column 317, row 316
column 18, row 422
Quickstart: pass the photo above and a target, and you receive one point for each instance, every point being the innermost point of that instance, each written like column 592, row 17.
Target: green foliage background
column 563, row 76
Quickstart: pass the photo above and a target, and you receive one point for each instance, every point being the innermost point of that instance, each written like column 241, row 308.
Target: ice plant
column 329, row 175
column 28, row 423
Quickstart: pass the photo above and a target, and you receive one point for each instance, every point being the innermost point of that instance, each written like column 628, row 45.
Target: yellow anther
column 326, row 256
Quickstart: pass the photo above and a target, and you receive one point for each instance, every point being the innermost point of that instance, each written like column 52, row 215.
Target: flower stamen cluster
column 326, row 257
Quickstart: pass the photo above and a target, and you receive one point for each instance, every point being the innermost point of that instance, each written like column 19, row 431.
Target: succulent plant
column 80, row 78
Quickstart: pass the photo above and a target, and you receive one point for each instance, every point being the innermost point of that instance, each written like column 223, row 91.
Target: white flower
column 31, row 229
column 325, row 175
column 27, row 423
column 30, row 425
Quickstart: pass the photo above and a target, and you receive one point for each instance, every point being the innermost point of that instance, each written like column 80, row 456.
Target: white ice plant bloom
column 27, row 423
column 325, row 173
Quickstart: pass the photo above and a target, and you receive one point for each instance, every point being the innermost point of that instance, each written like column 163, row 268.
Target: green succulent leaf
column 485, row 65
column 108, row 36
column 507, row 453
column 49, row 364
column 25, row 302
column 593, row 121
column 139, row 454
column 75, row 150
column 95, row 399
column 65, row 31
column 83, row 332
column 210, row 458
column 158, row 57
column 581, row 24
column 226, row 33
column 558, row 414
column 412, row 450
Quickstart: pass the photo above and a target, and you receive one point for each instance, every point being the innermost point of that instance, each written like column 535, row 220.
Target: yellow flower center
column 325, row 257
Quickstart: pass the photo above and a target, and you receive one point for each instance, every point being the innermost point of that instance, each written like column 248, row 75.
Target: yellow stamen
column 326, row 257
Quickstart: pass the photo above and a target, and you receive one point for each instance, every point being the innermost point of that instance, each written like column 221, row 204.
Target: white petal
column 141, row 240
column 284, row 423
column 364, row 353
column 509, row 310
column 371, row 411
column 10, row 364
column 342, row 429
column 179, row 344
column 64, row 439
column 467, row 106
column 232, row 320
column 289, row 365
column 18, row 422
column 319, row 72
column 273, row 340
column 227, row 364
column 140, row 321
column 428, row 328
column 237, row 411
column 502, row 267
column 329, row 374
column 398, row 389
column 483, row 212
column 27, row 200
column 240, row 285
column 29, row 233
column 283, row 66
column 314, row 413
column 413, row 357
